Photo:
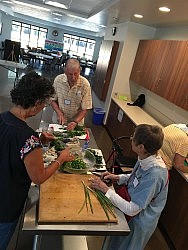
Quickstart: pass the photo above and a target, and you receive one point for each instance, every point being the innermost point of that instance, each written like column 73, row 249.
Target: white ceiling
column 95, row 15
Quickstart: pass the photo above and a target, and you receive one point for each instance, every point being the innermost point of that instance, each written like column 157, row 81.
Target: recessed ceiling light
column 164, row 9
column 57, row 19
column 6, row 1
column 31, row 5
column 56, row 4
column 103, row 26
column 56, row 14
column 138, row 16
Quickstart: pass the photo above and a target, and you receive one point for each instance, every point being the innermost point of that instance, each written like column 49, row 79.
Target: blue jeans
column 6, row 232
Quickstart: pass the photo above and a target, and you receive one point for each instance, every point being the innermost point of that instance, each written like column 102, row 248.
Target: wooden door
column 139, row 62
column 111, row 50
column 96, row 83
column 144, row 65
column 162, row 67
column 104, row 69
column 178, row 93
column 169, row 63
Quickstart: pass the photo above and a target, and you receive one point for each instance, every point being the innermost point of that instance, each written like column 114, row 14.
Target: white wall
column 172, row 33
column 6, row 29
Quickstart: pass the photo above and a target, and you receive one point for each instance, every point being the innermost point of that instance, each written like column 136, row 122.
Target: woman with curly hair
column 21, row 160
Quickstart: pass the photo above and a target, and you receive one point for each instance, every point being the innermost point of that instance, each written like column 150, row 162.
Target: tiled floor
column 103, row 140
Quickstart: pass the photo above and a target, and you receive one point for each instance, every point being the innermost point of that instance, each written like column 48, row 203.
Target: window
column 28, row 35
column 79, row 45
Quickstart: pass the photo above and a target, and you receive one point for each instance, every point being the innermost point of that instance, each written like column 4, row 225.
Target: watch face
column 55, row 33
column 114, row 31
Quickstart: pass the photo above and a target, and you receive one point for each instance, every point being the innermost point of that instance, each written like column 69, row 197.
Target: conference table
column 40, row 55
column 32, row 225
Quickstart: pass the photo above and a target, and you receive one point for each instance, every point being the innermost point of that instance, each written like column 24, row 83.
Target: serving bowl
column 81, row 165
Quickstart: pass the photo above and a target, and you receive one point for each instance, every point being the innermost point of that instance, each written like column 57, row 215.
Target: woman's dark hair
column 151, row 136
column 31, row 88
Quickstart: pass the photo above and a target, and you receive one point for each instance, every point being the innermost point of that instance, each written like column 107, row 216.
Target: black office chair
column 117, row 160
column 61, row 61
column 24, row 56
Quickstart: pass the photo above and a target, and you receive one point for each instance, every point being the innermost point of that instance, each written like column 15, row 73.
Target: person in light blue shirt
column 147, row 187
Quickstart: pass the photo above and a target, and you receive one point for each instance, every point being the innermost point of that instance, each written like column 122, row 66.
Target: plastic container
column 98, row 116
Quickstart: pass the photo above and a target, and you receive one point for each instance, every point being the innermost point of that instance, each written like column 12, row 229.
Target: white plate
column 81, row 137
column 62, row 128
column 58, row 127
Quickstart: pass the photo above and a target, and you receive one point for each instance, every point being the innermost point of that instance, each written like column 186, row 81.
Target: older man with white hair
column 73, row 96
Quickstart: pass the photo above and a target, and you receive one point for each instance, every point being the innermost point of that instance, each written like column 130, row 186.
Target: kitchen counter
column 136, row 114
column 139, row 116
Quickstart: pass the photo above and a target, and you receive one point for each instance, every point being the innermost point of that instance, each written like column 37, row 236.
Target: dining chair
column 24, row 56
column 61, row 61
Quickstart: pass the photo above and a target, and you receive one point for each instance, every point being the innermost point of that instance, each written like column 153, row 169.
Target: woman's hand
column 97, row 183
column 46, row 137
column 108, row 176
column 65, row 155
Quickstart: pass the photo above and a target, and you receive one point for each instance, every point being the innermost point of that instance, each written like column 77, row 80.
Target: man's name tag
column 67, row 102
column 135, row 182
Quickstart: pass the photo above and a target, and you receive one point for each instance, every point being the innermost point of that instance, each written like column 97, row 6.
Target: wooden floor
column 104, row 142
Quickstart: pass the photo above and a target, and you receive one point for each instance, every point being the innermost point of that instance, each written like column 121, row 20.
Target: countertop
column 139, row 116
column 136, row 114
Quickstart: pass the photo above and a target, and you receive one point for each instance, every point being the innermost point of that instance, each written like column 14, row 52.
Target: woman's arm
column 129, row 208
column 35, row 165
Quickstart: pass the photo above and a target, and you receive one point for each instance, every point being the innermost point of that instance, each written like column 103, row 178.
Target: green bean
column 105, row 203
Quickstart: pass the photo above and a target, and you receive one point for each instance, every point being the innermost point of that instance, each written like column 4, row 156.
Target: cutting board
column 61, row 198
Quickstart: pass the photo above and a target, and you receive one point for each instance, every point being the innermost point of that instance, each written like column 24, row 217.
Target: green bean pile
column 75, row 164
column 103, row 200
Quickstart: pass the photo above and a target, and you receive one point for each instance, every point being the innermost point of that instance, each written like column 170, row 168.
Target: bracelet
column 58, row 163
column 75, row 122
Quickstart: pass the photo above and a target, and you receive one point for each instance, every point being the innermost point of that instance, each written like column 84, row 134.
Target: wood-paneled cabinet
column 118, row 128
column 179, row 90
column 104, row 68
column 174, row 217
column 143, row 70
column 161, row 66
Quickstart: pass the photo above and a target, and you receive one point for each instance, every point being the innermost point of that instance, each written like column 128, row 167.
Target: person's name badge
column 67, row 102
column 135, row 182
